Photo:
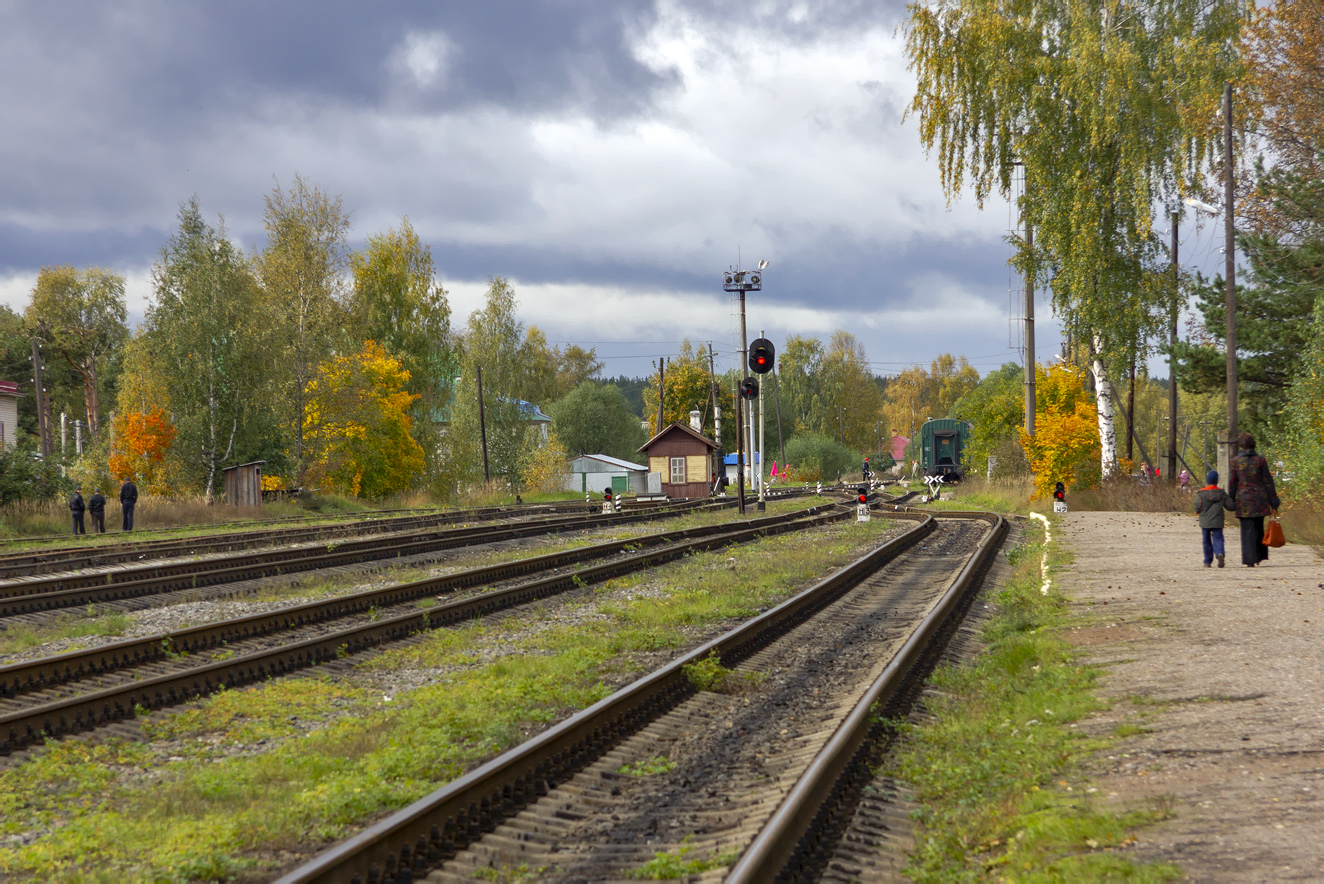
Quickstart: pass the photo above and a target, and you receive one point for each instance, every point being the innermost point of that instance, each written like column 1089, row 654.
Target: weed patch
column 648, row 767
column 673, row 864
column 988, row 768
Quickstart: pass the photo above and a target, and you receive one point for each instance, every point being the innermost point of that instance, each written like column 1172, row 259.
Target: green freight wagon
column 940, row 448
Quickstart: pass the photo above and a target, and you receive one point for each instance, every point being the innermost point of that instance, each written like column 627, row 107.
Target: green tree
column 595, row 419
column 303, row 270
column 996, row 411
column 493, row 342
column 689, row 388
column 1110, row 110
column 80, row 314
column 398, row 302
column 208, row 335
column 799, row 372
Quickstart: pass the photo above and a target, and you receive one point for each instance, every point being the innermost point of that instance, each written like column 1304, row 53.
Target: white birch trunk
column 1103, row 393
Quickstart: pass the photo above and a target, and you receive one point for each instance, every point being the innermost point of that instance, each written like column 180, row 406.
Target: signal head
column 863, row 497
column 749, row 389
column 762, row 356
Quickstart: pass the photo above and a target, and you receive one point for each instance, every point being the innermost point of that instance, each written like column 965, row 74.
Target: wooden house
column 684, row 460
column 8, row 414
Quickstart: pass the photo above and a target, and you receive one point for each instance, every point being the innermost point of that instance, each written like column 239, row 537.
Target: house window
column 678, row 471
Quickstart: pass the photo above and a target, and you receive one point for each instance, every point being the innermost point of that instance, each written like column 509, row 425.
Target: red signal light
column 864, row 498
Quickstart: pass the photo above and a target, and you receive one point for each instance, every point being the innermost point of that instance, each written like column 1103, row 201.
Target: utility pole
column 661, row 392
column 777, row 396
column 719, row 464
column 1030, row 403
column 1229, row 246
column 482, row 427
column 43, row 417
column 1170, row 467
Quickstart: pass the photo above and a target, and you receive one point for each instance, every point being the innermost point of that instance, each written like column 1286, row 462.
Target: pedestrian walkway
column 1223, row 669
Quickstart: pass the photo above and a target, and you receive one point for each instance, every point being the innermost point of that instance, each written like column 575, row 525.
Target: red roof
column 899, row 448
column 9, row 387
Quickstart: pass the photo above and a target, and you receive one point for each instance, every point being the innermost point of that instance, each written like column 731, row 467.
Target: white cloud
column 424, row 57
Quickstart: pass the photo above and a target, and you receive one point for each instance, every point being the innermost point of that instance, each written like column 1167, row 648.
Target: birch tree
column 1111, row 108
column 303, row 271
column 207, row 334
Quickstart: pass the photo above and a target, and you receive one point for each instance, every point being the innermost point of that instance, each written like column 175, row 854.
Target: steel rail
column 770, row 856
column 19, row 678
column 403, row 846
column 86, row 711
column 193, row 575
column 66, row 558
column 71, row 558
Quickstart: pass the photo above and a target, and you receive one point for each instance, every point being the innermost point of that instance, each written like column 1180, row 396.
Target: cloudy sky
column 611, row 159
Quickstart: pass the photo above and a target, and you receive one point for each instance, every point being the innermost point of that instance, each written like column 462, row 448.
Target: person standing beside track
column 128, row 500
column 76, row 508
column 1250, row 484
column 96, row 508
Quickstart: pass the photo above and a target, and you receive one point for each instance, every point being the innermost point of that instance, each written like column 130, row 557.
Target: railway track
column 747, row 785
column 33, row 563
column 83, row 690
column 75, row 590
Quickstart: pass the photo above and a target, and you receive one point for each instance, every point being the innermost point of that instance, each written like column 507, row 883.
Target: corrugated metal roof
column 614, row 461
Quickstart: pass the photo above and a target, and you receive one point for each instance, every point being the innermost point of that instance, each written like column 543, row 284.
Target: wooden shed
column 684, row 460
column 243, row 484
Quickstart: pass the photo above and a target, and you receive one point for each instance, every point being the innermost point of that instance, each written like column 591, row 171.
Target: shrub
column 815, row 458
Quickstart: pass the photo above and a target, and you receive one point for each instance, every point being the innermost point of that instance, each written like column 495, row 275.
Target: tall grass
column 1015, row 495
column 1303, row 520
column 51, row 518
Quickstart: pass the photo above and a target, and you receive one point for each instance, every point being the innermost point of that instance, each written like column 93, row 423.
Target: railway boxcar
column 940, row 448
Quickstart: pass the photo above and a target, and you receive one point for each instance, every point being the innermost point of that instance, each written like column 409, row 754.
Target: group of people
column 95, row 506
column 1250, row 494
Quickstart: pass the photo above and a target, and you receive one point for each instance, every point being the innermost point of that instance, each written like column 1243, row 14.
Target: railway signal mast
column 742, row 281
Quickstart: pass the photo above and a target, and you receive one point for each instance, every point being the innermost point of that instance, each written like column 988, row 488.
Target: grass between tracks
column 993, row 768
column 218, row 790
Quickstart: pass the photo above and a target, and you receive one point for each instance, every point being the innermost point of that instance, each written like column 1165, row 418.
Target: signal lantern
column 1059, row 492
column 606, row 495
column 762, row 355
column 749, row 389
column 864, row 497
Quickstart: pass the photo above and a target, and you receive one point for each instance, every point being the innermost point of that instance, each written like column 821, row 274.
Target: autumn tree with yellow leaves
column 357, row 426
column 1065, row 447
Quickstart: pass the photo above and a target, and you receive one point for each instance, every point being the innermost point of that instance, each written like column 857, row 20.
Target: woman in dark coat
column 1251, row 486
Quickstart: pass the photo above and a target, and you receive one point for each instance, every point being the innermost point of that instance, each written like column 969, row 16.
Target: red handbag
column 1273, row 533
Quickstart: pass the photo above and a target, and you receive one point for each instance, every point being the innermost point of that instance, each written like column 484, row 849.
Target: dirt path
column 1224, row 670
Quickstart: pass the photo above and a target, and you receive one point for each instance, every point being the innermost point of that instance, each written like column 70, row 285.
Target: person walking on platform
column 1250, row 485
column 1210, row 502
column 128, row 500
column 96, row 507
column 76, row 507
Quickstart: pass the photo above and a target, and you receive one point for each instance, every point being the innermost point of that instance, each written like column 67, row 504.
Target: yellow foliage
column 357, row 427
column 548, row 468
column 1065, row 447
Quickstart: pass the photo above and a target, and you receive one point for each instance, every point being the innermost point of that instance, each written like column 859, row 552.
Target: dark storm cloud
column 164, row 64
